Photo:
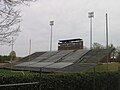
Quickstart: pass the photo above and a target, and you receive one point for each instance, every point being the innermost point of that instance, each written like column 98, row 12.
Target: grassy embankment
column 107, row 67
column 99, row 68
column 16, row 73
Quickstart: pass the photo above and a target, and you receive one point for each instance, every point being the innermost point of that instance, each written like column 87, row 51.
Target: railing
column 25, row 84
column 19, row 84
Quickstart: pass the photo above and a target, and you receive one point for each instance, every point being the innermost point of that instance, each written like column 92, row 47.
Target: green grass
column 99, row 68
column 104, row 68
column 15, row 73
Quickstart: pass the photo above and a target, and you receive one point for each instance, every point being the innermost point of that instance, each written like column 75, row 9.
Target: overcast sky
column 71, row 21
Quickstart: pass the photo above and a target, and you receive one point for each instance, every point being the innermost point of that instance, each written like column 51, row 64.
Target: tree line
column 116, row 50
column 6, row 58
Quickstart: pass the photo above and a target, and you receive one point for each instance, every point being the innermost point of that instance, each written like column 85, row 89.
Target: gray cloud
column 71, row 21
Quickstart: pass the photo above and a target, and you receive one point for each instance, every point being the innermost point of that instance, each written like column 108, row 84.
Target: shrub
column 69, row 81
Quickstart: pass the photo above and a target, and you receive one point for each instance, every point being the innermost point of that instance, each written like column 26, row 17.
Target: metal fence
column 17, row 85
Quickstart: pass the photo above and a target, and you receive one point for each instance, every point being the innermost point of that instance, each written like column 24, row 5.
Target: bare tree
column 9, row 19
column 97, row 46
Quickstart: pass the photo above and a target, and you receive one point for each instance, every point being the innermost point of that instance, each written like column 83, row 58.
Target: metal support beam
column 106, row 31
column 51, row 24
column 91, row 15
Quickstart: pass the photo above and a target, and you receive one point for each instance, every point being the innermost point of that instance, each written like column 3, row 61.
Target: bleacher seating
column 66, row 60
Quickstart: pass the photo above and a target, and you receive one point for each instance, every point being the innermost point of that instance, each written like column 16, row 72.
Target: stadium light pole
column 11, row 56
column 29, row 48
column 107, row 37
column 12, row 44
column 91, row 15
column 51, row 24
column 106, row 31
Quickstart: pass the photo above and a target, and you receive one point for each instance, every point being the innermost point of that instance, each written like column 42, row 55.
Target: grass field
column 99, row 68
column 106, row 67
column 15, row 73
column 12, row 72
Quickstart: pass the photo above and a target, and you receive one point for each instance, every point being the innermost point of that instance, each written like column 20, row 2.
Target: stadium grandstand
column 70, row 60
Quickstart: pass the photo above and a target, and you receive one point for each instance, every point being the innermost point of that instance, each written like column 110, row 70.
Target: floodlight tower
column 107, row 37
column 11, row 56
column 51, row 24
column 12, row 44
column 106, row 31
column 91, row 15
